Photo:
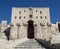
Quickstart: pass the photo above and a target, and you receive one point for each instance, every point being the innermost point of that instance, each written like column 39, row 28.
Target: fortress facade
column 30, row 22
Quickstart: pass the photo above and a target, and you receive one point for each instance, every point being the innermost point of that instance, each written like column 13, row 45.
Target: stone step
column 31, row 44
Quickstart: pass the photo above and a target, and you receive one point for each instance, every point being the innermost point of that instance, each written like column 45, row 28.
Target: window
column 36, row 11
column 24, row 10
column 19, row 12
column 36, row 16
column 24, row 17
column 40, row 12
column 45, row 17
column 20, row 17
column 41, row 17
column 15, row 17
column 30, row 16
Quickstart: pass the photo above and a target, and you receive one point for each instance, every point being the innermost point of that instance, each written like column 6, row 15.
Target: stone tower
column 30, row 22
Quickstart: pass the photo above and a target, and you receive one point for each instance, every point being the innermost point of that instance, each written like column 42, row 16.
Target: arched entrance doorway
column 30, row 30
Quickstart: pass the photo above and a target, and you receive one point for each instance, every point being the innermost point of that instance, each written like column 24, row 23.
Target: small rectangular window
column 36, row 16
column 30, row 16
column 45, row 17
column 19, row 12
column 41, row 17
column 24, row 11
column 15, row 17
column 40, row 12
column 19, row 17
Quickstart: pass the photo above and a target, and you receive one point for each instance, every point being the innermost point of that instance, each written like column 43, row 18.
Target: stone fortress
column 30, row 22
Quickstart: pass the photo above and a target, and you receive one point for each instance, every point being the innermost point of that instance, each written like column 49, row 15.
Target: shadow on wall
column 7, row 33
column 44, row 43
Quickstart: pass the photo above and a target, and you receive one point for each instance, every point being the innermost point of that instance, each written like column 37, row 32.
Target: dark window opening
column 45, row 17
column 36, row 16
column 24, row 11
column 20, row 17
column 41, row 17
column 36, row 11
column 24, row 17
column 15, row 17
column 19, row 12
column 40, row 12
column 30, row 30
column 30, row 16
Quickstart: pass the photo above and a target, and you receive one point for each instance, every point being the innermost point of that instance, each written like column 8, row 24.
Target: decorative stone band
column 18, row 24
column 42, row 24
column 49, row 24
column 24, row 24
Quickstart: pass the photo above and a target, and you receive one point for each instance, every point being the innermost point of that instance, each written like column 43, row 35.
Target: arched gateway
column 30, row 30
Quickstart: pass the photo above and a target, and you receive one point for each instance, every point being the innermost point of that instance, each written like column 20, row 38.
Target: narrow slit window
column 40, row 12
column 40, row 17
column 20, row 17
column 15, row 17
column 37, row 17
column 45, row 17
column 30, row 16
column 19, row 12
column 24, row 17
column 24, row 11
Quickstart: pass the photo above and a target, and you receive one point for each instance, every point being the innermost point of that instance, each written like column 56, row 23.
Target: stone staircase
column 31, row 44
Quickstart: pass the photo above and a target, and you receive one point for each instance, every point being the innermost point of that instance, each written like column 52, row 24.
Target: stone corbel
column 11, row 25
column 41, row 24
column 18, row 24
column 49, row 24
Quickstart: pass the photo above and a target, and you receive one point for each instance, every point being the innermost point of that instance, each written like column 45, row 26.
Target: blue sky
column 6, row 6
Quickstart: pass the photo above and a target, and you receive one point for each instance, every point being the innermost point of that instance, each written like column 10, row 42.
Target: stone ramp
column 31, row 44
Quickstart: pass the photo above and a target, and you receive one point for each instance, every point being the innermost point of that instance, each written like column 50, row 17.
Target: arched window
column 30, row 16
column 24, row 11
